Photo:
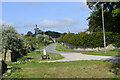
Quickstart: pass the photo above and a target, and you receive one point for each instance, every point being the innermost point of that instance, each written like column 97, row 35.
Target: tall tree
column 111, row 16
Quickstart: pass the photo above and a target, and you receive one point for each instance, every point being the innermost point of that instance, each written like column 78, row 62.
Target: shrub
column 10, row 39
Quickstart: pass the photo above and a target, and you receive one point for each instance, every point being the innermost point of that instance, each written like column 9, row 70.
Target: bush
column 27, row 51
column 10, row 39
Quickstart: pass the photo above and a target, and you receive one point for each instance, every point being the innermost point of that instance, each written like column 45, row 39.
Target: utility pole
column 103, row 28
column 103, row 25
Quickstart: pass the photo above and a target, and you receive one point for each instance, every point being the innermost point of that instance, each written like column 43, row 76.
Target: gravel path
column 72, row 56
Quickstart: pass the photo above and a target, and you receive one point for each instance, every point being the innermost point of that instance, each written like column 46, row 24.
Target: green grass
column 72, row 69
column 36, row 56
column 30, row 68
column 110, row 53
column 30, row 58
column 40, row 46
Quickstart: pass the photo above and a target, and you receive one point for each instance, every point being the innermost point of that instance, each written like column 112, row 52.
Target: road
column 72, row 56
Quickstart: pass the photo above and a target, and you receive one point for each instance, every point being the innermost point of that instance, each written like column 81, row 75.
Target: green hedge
column 91, row 40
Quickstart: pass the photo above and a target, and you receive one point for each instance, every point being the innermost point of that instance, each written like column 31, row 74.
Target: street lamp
column 103, row 26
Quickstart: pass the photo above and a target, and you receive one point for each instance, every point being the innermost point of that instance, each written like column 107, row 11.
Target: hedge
column 91, row 40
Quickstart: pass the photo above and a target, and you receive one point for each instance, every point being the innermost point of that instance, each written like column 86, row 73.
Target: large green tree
column 111, row 16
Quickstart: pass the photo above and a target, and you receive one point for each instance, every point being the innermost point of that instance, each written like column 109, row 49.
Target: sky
column 54, row 16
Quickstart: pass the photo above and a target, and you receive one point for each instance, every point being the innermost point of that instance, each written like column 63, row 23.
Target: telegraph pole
column 103, row 28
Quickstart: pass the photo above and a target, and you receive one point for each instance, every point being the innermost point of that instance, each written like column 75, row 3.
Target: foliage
column 29, row 33
column 61, row 37
column 91, row 40
column 32, row 40
column 10, row 39
column 111, row 16
column 42, row 37
column 52, row 34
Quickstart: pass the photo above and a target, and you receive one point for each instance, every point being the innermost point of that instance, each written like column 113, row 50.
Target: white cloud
column 58, row 23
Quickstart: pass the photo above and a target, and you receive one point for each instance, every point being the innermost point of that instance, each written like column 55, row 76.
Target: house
column 54, row 39
column 21, row 34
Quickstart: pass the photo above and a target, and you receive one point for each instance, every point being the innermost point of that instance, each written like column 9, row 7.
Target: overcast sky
column 54, row 16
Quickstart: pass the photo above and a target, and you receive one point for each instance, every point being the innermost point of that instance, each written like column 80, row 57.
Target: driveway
column 72, row 56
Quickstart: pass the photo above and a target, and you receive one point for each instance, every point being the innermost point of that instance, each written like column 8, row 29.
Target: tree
column 111, row 16
column 29, row 33
column 11, row 40
column 52, row 34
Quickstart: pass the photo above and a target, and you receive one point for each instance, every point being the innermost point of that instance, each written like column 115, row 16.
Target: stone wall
column 109, row 47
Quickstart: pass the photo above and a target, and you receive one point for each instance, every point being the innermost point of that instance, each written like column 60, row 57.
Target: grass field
column 74, row 69
column 110, row 53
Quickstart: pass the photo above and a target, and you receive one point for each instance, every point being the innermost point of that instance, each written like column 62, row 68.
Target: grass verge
column 30, row 58
column 71, row 69
column 110, row 53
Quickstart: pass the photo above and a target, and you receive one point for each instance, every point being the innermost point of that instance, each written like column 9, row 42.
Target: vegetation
column 53, row 34
column 11, row 40
column 111, row 16
column 29, row 33
column 32, row 57
column 32, row 41
column 74, row 69
column 36, row 56
column 90, row 40
column 110, row 53
column 115, row 68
